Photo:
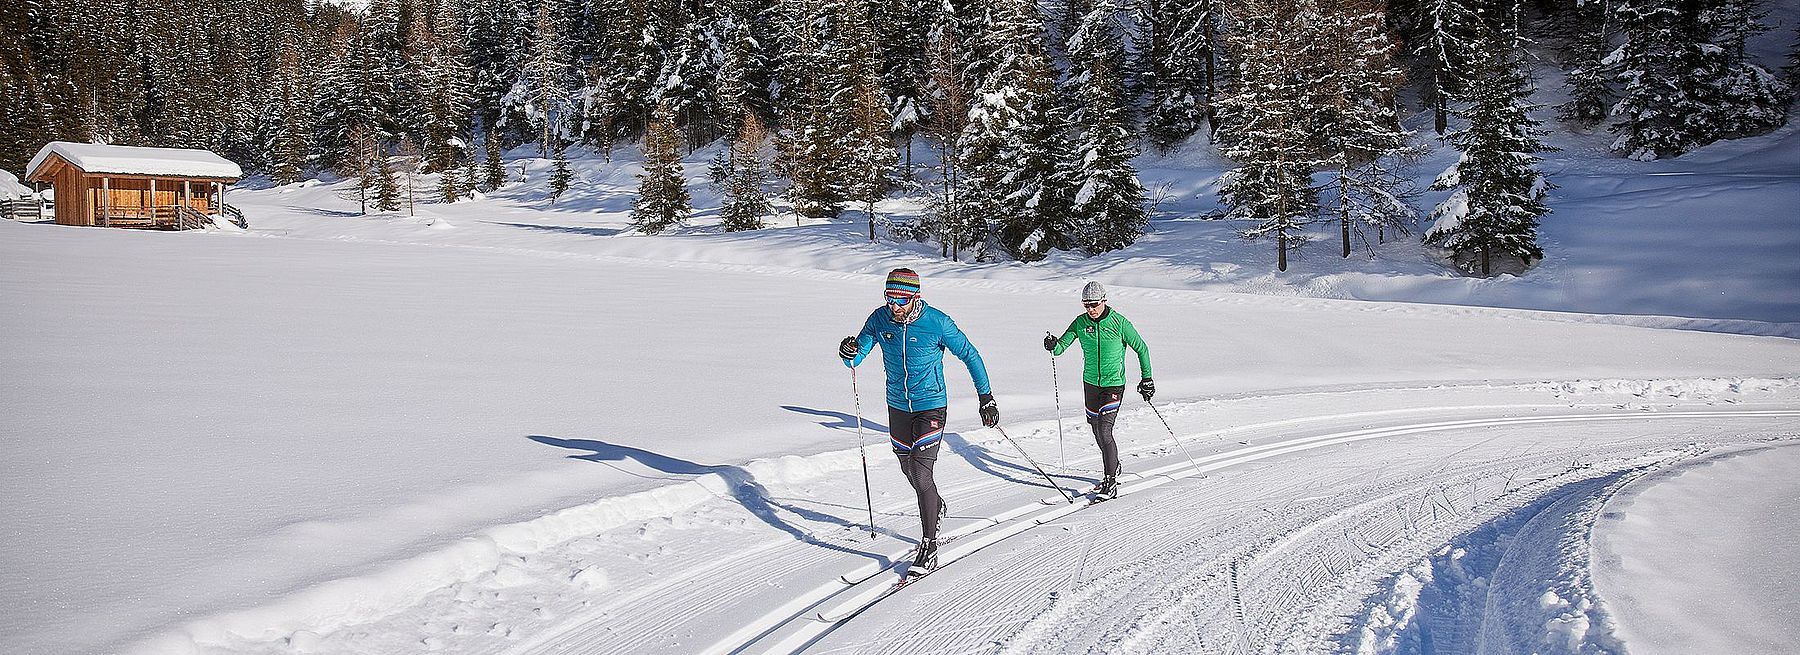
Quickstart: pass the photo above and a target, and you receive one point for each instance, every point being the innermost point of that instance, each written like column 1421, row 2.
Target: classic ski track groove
column 809, row 631
column 657, row 608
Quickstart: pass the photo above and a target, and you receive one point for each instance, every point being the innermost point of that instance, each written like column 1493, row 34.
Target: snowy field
column 503, row 427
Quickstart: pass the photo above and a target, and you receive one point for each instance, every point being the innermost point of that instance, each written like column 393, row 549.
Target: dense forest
column 1034, row 111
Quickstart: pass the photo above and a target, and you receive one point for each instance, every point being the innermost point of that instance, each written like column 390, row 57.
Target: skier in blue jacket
column 913, row 337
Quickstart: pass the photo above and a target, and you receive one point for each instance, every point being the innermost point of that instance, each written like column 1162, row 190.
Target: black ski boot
column 1108, row 489
column 925, row 559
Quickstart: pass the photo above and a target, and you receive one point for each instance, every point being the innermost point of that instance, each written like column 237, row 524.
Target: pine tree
column 1014, row 142
column 1271, row 111
column 289, row 120
column 560, row 175
column 745, row 202
column 543, row 92
column 493, row 171
column 1685, row 79
column 1498, row 190
column 1444, row 49
column 1178, row 56
column 1108, row 205
column 387, row 192
column 444, row 75
column 662, row 197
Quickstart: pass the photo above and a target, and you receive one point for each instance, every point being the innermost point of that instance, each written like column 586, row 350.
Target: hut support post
column 106, row 202
column 151, row 203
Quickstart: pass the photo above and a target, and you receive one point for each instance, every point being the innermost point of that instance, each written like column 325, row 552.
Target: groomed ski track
column 1283, row 544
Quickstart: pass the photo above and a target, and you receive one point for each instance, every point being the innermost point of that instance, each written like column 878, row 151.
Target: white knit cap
column 1092, row 292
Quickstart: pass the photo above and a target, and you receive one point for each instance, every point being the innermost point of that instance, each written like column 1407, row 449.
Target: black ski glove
column 1147, row 387
column 1050, row 342
column 990, row 412
column 848, row 348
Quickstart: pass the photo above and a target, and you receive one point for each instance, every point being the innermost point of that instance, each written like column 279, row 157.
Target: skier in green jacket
column 1104, row 335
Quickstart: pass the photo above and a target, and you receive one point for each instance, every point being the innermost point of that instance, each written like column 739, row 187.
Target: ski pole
column 1171, row 430
column 1062, row 460
column 1034, row 464
column 862, row 450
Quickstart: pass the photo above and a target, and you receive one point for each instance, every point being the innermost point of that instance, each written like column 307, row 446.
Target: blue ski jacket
column 912, row 355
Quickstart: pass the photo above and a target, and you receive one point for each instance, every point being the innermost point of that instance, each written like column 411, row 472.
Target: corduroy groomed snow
column 1093, row 291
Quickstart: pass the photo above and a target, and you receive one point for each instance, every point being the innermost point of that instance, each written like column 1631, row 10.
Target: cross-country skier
column 1104, row 335
column 913, row 338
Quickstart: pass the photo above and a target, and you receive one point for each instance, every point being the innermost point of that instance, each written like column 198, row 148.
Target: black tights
column 916, row 437
column 1102, row 411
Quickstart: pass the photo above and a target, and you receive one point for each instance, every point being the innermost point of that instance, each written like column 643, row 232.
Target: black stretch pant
column 916, row 437
column 1102, row 411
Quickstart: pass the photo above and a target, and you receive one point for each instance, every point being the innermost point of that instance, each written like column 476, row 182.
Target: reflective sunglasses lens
column 901, row 302
column 1090, row 304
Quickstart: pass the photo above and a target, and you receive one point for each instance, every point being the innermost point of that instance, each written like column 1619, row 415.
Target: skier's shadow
column 744, row 487
column 839, row 420
column 980, row 458
column 984, row 460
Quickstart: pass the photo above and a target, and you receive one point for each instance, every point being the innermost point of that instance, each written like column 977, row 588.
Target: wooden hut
column 128, row 186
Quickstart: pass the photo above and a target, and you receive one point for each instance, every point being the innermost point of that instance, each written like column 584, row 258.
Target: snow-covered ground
column 503, row 427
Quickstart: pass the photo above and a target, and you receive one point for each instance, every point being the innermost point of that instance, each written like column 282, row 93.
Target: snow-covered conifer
column 1497, row 190
column 1178, row 66
column 1014, row 141
column 1108, row 203
column 560, row 175
column 662, row 198
column 745, row 202
column 1685, row 80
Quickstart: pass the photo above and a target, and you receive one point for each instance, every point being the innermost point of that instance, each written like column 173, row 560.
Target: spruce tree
column 493, row 171
column 1014, row 141
column 1178, row 63
column 945, row 218
column 560, row 175
column 871, row 156
column 745, row 203
column 1685, row 80
column 662, row 198
column 1108, row 203
column 1498, row 192
column 387, row 192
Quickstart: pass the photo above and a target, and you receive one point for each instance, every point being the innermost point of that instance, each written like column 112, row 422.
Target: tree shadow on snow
column 744, row 488
column 566, row 229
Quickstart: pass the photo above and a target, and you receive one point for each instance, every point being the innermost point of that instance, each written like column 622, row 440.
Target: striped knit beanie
column 902, row 283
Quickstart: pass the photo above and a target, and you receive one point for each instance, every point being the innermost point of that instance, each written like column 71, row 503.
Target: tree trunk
column 1344, row 201
column 1281, row 250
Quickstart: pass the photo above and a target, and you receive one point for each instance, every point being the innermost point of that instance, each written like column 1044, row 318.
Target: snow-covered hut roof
column 10, row 187
column 134, row 160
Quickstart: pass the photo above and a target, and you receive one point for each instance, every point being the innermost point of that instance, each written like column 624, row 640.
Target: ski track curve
column 998, row 607
column 1230, row 557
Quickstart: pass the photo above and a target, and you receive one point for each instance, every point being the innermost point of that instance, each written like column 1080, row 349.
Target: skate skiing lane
column 789, row 627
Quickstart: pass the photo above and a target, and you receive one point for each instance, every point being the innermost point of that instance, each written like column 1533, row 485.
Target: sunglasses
column 901, row 301
column 1090, row 304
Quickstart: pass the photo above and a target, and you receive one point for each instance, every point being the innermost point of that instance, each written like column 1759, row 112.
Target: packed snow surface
column 501, row 426
column 1713, row 534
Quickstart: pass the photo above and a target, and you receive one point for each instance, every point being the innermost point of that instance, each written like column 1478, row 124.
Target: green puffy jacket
column 1103, row 345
